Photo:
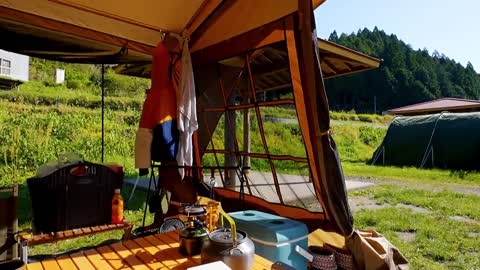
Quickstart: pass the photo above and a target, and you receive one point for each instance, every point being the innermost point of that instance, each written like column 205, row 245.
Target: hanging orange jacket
column 159, row 111
column 160, row 105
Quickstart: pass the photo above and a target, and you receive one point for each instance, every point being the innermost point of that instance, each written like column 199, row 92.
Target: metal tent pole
column 430, row 142
column 103, row 111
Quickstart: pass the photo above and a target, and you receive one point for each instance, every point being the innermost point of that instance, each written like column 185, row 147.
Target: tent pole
column 383, row 152
column 430, row 141
column 103, row 111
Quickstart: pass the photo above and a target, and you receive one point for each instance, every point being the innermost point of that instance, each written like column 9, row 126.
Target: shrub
column 371, row 136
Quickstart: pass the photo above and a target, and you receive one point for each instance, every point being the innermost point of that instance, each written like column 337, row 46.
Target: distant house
column 14, row 69
column 453, row 105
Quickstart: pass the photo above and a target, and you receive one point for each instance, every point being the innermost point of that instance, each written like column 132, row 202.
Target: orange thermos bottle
column 117, row 207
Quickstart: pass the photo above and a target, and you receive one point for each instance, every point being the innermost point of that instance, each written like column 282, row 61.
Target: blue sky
column 450, row 27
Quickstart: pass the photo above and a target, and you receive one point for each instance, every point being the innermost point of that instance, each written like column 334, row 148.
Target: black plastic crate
column 75, row 196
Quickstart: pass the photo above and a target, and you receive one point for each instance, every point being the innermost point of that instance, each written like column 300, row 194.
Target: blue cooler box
column 274, row 237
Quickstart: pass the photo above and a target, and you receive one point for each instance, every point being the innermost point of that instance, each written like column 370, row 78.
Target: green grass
column 279, row 112
column 355, row 143
column 35, row 93
column 412, row 175
column 352, row 116
column 289, row 113
column 445, row 203
column 34, row 135
column 440, row 242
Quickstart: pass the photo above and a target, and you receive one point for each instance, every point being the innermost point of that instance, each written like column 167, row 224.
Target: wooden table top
column 159, row 251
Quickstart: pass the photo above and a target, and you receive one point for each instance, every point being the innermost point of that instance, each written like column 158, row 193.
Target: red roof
column 438, row 105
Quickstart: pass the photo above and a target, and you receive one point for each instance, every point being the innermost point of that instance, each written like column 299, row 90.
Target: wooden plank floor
column 158, row 251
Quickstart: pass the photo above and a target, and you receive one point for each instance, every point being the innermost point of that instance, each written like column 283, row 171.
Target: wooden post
column 8, row 221
column 103, row 113
column 246, row 139
column 229, row 135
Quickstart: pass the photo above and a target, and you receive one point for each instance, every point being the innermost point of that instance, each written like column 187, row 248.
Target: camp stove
column 195, row 232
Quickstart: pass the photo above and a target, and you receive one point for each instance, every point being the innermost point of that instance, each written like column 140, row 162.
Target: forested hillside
column 406, row 76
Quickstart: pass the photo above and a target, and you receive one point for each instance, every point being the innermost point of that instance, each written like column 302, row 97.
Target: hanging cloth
column 143, row 142
column 187, row 111
column 159, row 113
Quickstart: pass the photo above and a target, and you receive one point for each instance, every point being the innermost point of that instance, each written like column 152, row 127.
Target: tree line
column 406, row 76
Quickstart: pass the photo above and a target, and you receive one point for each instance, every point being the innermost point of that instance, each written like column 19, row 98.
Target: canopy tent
column 220, row 32
column 133, row 27
column 41, row 42
column 444, row 140
column 130, row 30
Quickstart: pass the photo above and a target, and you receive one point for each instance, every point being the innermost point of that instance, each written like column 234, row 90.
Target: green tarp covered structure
column 444, row 140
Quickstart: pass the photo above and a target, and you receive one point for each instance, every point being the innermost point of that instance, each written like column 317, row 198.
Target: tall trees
column 406, row 76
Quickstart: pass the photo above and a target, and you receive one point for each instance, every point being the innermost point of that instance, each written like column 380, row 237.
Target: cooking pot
column 231, row 246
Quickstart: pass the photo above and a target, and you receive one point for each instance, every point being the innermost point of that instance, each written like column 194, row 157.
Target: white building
column 14, row 66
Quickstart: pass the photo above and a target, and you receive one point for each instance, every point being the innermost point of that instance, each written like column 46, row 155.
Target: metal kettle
column 231, row 246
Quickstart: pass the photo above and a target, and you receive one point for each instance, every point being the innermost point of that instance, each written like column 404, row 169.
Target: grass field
column 412, row 175
column 35, row 134
column 434, row 230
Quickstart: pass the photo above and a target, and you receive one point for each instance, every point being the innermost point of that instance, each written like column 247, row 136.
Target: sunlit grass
column 439, row 242
column 445, row 203
column 412, row 175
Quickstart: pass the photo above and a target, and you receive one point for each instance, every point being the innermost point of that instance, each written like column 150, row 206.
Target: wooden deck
column 158, row 251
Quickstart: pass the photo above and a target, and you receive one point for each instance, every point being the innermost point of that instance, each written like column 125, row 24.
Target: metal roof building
column 438, row 105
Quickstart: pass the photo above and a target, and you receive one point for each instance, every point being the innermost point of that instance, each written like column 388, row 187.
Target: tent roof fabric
column 84, row 30
column 44, row 43
column 142, row 20
column 271, row 67
column 439, row 105
column 338, row 60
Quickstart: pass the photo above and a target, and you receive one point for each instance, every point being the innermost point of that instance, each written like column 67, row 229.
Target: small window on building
column 5, row 67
